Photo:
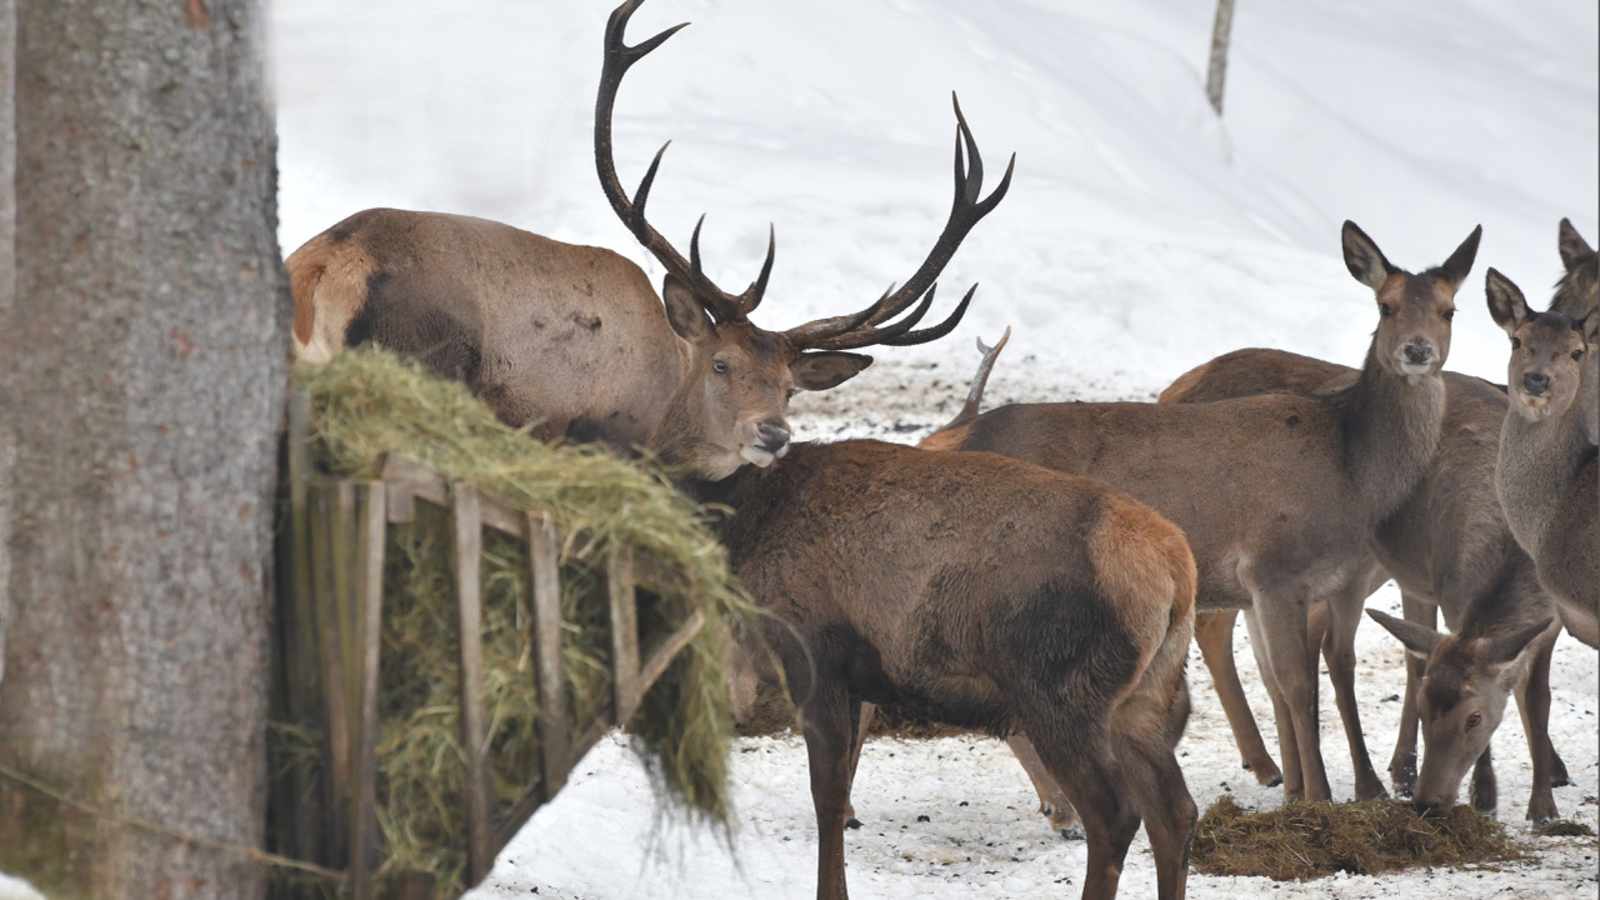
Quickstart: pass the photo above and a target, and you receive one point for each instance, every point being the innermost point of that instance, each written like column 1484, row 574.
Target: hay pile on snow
column 368, row 404
column 1309, row 840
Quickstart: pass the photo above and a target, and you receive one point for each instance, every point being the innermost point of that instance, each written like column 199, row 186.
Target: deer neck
column 677, row 432
column 1539, row 462
column 1390, row 425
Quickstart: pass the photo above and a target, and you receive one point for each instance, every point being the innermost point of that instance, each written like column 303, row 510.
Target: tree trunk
column 146, row 362
column 1217, row 71
column 8, row 293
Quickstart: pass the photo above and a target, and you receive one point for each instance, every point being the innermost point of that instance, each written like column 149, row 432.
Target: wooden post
column 325, row 580
column 306, row 812
column 544, row 581
column 624, row 636
column 369, row 619
column 468, row 545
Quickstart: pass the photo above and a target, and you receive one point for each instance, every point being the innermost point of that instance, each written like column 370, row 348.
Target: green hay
column 1300, row 841
column 368, row 404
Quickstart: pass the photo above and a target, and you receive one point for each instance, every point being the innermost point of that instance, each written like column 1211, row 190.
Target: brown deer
column 1279, row 494
column 986, row 593
column 1449, row 548
column 1577, row 295
column 573, row 339
column 1546, row 472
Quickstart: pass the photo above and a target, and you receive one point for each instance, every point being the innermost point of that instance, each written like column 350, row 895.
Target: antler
column 857, row 330
column 723, row 306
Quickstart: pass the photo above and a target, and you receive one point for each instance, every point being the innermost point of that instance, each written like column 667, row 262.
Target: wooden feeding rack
column 332, row 619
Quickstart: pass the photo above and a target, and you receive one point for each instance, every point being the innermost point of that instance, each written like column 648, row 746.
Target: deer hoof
column 1403, row 775
column 852, row 823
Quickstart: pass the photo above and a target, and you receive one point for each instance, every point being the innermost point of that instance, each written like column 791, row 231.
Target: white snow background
column 1141, row 236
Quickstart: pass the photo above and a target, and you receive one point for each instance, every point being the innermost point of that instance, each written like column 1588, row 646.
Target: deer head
column 731, row 407
column 1578, row 291
column 1460, row 699
column 1414, row 311
column 1548, row 350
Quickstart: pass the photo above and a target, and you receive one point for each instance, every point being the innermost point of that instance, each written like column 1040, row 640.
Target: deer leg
column 1053, row 802
column 861, row 725
column 1213, row 632
column 1533, row 701
column 1293, row 783
column 829, row 715
column 1485, row 789
column 1097, row 789
column 1293, row 661
column 1403, row 764
column 1339, row 649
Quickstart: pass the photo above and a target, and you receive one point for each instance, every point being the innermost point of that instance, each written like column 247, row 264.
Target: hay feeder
column 332, row 612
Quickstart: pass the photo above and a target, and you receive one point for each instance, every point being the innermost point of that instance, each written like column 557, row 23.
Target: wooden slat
column 656, row 665
column 372, row 499
column 417, row 480
column 300, row 648
column 624, row 636
column 402, row 504
column 468, row 547
column 325, row 601
column 532, row 800
column 544, row 580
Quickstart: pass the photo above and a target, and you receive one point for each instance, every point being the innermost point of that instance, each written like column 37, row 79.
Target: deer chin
column 760, row 458
column 1532, row 408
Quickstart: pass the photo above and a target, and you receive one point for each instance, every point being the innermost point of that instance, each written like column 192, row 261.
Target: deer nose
column 1536, row 383
column 774, row 436
column 1418, row 353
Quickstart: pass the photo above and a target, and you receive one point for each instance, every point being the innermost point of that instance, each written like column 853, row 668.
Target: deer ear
column 1572, row 245
column 1506, row 647
column 684, row 313
column 1419, row 639
column 1363, row 258
column 821, row 371
column 1456, row 269
column 1506, row 304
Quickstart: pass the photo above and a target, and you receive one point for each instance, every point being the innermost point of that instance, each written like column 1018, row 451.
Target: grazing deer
column 1546, row 472
column 1278, row 494
column 573, row 338
column 986, row 593
column 1449, row 548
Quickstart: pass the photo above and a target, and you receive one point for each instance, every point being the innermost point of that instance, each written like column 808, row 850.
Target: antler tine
column 968, row 206
column 619, row 57
column 937, row 331
column 864, row 337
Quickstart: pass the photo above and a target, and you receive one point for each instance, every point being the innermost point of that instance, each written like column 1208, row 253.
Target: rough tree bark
column 8, row 292
column 147, row 359
column 1217, row 71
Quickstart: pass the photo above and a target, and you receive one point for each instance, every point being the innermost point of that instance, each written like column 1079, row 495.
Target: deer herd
column 1037, row 570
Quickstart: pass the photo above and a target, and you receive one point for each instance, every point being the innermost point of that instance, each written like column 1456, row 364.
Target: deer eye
column 1448, row 314
column 1474, row 720
column 1516, row 343
column 719, row 366
column 1385, row 310
column 1577, row 354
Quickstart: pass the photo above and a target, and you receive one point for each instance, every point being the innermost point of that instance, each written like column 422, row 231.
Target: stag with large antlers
column 573, row 340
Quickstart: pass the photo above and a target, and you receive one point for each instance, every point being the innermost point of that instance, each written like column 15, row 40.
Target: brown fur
column 979, row 591
column 1279, row 495
column 1448, row 547
column 1546, row 471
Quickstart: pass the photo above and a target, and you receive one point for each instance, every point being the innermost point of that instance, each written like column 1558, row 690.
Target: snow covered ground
column 1141, row 236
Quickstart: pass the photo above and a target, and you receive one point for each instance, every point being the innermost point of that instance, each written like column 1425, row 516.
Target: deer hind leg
column 1403, row 764
column 1079, row 760
column 1485, row 791
column 1213, row 632
column 1533, row 701
column 829, row 715
column 1053, row 802
column 862, row 724
column 1293, row 660
column 1339, row 649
